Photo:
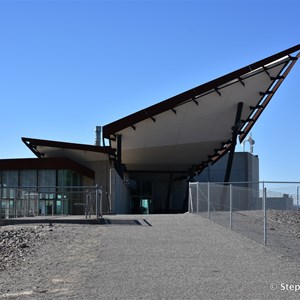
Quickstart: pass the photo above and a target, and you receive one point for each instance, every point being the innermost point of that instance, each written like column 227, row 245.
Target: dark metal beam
column 266, row 71
column 169, row 192
column 268, row 98
column 118, row 163
column 266, row 93
column 241, row 81
column 195, row 101
column 217, row 91
column 277, row 77
column 235, row 131
column 293, row 57
column 255, row 107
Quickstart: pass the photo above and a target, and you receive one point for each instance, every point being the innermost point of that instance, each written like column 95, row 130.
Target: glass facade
column 10, row 178
column 43, row 178
column 28, row 178
column 41, row 192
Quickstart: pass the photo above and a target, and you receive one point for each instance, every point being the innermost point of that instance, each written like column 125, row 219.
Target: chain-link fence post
column 0, row 201
column 197, row 193
column 230, row 206
column 265, row 214
column 97, row 202
column 208, row 200
column 298, row 198
column 100, row 202
column 190, row 200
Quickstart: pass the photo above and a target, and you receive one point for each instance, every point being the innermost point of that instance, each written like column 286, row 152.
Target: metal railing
column 267, row 212
column 18, row 202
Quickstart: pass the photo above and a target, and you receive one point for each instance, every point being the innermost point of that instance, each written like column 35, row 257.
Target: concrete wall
column 245, row 168
column 102, row 174
column 278, row 203
column 119, row 194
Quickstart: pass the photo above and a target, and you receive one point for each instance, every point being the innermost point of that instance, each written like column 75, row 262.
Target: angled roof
column 194, row 128
column 77, row 152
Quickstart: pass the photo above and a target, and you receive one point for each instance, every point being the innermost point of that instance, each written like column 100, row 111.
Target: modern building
column 244, row 172
column 145, row 160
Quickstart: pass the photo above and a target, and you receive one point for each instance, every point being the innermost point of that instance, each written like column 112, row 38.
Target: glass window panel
column 28, row 178
column 64, row 178
column 47, row 178
column 47, row 183
column 10, row 178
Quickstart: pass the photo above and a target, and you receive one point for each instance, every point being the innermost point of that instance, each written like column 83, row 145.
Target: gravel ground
column 142, row 257
column 285, row 220
column 17, row 243
column 283, row 228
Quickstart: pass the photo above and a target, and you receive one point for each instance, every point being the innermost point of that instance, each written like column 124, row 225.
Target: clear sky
column 67, row 66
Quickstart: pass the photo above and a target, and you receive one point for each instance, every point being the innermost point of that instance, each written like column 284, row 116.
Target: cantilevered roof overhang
column 194, row 128
column 76, row 152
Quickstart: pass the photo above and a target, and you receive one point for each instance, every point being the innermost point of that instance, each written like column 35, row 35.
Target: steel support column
column 118, row 162
column 169, row 193
column 235, row 131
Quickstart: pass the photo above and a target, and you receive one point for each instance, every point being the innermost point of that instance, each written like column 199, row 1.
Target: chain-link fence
column 44, row 201
column 267, row 212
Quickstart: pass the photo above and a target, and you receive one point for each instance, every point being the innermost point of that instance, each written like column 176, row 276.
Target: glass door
column 141, row 198
column 145, row 206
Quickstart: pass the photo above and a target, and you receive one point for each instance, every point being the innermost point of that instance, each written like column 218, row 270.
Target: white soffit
column 195, row 129
column 74, row 154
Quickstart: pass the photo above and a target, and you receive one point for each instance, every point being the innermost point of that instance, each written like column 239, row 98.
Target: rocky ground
column 288, row 220
column 16, row 243
column 283, row 229
column 37, row 257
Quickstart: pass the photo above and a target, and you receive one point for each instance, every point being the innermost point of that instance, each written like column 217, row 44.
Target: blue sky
column 67, row 66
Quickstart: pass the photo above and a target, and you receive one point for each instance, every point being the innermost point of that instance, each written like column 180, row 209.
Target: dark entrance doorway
column 141, row 198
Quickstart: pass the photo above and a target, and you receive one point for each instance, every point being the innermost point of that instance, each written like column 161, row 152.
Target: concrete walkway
column 188, row 257
column 152, row 257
